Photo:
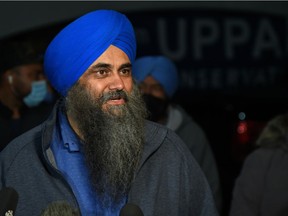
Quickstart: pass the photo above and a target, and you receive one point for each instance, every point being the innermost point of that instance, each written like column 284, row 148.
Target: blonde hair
column 275, row 133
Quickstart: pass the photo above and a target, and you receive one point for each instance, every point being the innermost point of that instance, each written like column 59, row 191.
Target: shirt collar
column 69, row 137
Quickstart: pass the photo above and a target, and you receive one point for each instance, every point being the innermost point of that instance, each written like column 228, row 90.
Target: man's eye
column 126, row 71
column 101, row 72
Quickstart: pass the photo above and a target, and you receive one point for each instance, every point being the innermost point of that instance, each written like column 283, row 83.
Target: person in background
column 157, row 78
column 23, row 89
column 261, row 188
column 97, row 151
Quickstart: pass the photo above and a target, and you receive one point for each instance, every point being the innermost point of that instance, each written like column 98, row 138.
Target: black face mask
column 156, row 107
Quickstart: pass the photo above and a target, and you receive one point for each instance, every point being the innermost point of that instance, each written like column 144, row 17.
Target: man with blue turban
column 157, row 77
column 96, row 151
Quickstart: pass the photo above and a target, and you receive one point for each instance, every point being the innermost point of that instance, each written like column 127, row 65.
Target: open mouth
column 116, row 100
column 116, row 97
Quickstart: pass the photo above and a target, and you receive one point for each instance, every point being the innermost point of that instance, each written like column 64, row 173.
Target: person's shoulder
column 25, row 141
column 188, row 123
column 160, row 137
column 154, row 130
column 263, row 153
column 187, row 117
column 158, row 133
column 262, row 157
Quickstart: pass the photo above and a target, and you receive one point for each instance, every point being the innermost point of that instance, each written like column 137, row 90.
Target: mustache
column 113, row 95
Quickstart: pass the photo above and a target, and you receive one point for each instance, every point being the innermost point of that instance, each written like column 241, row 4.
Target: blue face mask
column 37, row 94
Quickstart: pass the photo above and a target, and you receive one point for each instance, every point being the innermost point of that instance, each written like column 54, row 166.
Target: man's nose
column 116, row 82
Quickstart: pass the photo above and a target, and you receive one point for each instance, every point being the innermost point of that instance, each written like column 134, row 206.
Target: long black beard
column 113, row 139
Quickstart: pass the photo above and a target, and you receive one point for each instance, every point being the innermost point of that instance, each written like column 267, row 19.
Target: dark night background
column 232, row 59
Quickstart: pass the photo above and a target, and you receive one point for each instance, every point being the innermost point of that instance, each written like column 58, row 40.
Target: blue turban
column 80, row 43
column 160, row 68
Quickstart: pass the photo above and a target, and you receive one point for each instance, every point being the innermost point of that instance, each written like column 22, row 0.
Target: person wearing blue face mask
column 23, row 89
column 37, row 94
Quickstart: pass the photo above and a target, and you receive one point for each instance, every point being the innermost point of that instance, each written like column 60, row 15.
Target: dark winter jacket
column 168, row 181
column 262, row 186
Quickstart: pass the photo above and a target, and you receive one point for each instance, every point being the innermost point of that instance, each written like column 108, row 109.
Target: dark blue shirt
column 71, row 162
